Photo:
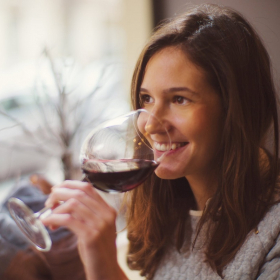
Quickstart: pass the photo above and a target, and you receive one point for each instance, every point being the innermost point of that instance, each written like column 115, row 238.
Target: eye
column 145, row 99
column 180, row 100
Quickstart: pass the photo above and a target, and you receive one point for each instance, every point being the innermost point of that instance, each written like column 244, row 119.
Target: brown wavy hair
column 225, row 45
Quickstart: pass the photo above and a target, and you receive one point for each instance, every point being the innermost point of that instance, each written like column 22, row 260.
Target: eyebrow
column 173, row 89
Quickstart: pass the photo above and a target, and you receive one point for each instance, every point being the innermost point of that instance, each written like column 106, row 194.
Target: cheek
column 192, row 124
column 210, row 130
column 204, row 125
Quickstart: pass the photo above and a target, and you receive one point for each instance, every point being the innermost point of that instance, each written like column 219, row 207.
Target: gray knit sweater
column 258, row 258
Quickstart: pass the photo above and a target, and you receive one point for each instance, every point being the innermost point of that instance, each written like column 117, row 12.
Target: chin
column 166, row 174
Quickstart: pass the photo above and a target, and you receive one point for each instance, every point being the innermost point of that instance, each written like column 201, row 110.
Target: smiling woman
column 211, row 210
column 206, row 75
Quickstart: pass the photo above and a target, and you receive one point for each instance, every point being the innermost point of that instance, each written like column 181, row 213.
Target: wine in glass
column 117, row 156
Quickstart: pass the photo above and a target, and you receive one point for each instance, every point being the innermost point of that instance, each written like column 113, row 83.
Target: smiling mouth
column 167, row 147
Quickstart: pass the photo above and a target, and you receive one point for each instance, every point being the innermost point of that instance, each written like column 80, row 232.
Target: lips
column 163, row 147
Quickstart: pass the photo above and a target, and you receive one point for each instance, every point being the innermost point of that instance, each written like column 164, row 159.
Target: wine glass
column 117, row 156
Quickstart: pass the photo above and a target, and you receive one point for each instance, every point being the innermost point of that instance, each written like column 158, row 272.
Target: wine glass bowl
column 117, row 156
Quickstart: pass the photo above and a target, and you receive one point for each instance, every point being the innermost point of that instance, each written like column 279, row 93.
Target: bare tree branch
column 70, row 111
column 46, row 125
column 37, row 142
column 78, row 125
column 9, row 127
column 94, row 91
column 18, row 123
column 21, row 147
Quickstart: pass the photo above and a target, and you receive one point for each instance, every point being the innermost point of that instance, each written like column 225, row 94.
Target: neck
column 202, row 190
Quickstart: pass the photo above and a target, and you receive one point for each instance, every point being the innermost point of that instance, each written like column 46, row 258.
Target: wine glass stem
column 43, row 211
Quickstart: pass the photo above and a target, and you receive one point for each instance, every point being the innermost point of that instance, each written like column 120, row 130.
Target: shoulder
column 269, row 235
column 260, row 248
column 269, row 227
column 267, row 232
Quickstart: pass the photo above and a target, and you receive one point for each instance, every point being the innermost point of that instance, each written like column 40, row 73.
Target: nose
column 149, row 123
column 153, row 125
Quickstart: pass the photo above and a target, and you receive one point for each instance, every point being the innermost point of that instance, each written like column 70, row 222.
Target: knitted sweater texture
column 258, row 258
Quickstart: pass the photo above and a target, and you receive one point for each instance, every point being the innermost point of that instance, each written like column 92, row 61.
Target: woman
column 211, row 210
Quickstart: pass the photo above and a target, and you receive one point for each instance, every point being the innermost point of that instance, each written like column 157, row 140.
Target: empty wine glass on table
column 117, row 156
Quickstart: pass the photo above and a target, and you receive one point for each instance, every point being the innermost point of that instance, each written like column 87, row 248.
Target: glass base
column 30, row 225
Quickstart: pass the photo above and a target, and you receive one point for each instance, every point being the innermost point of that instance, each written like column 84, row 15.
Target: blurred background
column 66, row 65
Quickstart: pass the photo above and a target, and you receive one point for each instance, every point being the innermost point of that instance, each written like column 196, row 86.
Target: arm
column 89, row 217
column 270, row 269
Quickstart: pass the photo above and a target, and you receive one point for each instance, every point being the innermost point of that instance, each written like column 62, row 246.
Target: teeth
column 166, row 147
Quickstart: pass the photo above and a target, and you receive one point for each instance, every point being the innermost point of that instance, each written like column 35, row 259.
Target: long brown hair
column 225, row 45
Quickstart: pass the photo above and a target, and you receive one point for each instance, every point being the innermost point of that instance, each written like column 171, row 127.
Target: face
column 176, row 91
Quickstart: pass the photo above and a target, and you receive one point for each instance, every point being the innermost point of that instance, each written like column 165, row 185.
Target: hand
column 88, row 216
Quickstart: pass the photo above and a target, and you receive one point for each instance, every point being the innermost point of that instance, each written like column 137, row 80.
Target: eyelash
column 144, row 97
column 176, row 98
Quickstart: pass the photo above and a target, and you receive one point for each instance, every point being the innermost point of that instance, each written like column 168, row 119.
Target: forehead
column 171, row 67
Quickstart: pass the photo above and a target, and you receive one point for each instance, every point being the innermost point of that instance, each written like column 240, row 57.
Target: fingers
column 85, row 210
column 60, row 195
column 82, row 208
column 74, row 189
column 81, row 220
column 65, row 220
column 76, row 196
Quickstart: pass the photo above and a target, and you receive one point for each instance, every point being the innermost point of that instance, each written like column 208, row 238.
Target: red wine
column 117, row 175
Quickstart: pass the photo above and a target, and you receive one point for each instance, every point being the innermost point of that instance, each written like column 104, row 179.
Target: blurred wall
column 264, row 15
